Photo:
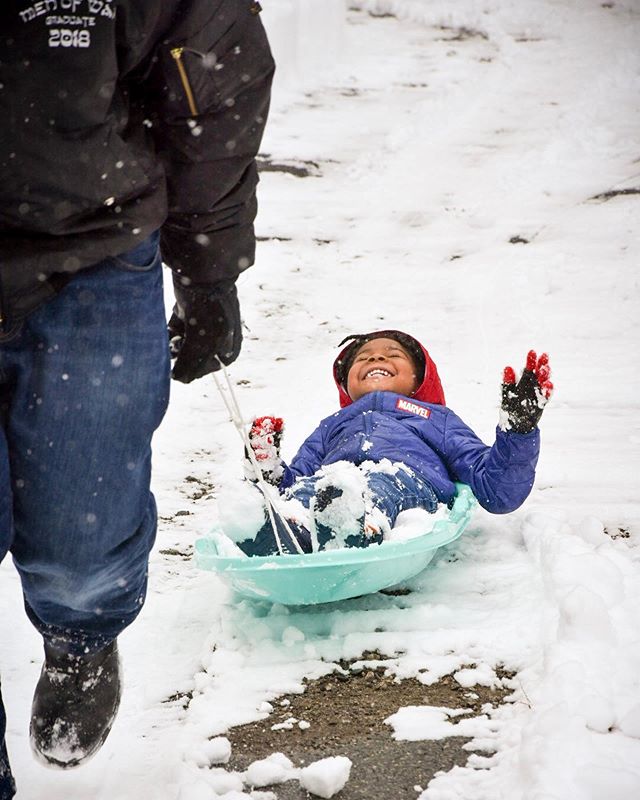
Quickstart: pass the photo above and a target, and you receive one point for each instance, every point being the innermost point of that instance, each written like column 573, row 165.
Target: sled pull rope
column 231, row 402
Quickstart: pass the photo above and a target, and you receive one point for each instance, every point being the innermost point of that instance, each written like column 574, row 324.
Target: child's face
column 381, row 365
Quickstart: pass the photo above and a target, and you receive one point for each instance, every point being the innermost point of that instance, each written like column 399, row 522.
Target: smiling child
column 394, row 445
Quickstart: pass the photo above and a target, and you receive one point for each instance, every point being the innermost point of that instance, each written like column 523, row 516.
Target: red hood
column 429, row 391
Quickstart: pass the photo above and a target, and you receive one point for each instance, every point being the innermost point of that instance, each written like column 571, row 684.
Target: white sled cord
column 231, row 402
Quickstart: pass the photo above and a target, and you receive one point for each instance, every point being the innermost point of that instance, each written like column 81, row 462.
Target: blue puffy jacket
column 430, row 439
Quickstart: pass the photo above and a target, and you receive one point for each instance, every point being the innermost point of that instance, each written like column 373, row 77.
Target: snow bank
column 579, row 737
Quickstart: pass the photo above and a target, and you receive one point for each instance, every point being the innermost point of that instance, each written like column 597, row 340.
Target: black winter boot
column 74, row 705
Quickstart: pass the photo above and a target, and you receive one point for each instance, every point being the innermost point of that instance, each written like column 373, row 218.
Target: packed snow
column 326, row 777
column 471, row 175
column 276, row 768
column 433, row 722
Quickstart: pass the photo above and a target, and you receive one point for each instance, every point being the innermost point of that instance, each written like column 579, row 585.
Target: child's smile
column 376, row 372
column 381, row 365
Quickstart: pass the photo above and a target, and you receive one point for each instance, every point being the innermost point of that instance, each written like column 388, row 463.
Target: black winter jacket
column 118, row 118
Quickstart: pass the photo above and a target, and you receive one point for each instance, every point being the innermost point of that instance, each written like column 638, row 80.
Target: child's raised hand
column 523, row 402
column 265, row 436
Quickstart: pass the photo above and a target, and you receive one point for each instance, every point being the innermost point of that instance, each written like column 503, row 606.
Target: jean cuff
column 74, row 642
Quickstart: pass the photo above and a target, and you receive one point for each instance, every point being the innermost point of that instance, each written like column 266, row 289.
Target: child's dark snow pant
column 390, row 493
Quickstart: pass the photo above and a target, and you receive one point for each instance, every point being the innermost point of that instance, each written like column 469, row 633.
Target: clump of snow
column 385, row 466
column 241, row 510
column 213, row 751
column 219, row 750
column 482, row 675
column 591, row 530
column 287, row 725
column 415, row 522
column 276, row 768
column 223, row 782
column 415, row 723
column 345, row 513
column 327, row 776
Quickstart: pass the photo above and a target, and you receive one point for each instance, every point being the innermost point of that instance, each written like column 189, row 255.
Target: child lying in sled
column 394, row 446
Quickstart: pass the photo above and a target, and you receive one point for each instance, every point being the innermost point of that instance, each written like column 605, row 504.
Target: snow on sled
column 330, row 575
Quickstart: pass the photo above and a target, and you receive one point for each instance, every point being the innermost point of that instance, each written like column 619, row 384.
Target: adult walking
column 128, row 129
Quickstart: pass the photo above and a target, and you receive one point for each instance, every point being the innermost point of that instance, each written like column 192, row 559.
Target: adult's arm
column 209, row 90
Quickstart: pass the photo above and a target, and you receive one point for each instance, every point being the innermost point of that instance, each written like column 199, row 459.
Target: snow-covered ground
column 456, row 149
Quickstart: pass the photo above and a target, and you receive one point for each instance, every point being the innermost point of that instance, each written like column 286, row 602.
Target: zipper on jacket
column 177, row 52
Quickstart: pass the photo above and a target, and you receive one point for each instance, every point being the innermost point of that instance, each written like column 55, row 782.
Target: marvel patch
column 412, row 408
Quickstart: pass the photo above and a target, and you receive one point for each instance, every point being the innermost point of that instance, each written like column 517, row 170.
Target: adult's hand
column 205, row 329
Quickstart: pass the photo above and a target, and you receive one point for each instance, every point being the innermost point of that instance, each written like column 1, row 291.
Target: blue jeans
column 390, row 493
column 84, row 383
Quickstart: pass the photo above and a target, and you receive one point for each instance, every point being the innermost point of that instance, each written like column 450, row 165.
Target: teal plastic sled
column 336, row 574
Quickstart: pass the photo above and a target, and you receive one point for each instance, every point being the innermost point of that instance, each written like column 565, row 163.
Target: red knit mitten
column 265, row 436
